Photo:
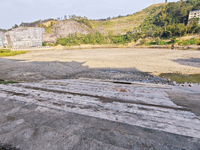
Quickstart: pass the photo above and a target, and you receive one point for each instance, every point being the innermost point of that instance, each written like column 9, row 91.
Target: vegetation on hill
column 80, row 19
column 48, row 26
column 123, row 24
column 3, row 30
column 35, row 23
column 172, row 20
column 97, row 38
column 160, row 22
column 164, row 21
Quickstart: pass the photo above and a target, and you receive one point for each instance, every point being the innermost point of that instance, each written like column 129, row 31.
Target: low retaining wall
column 32, row 48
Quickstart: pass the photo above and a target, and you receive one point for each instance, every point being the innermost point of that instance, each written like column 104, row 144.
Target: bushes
column 143, row 41
column 173, row 40
column 97, row 38
column 44, row 43
column 85, row 21
column 172, row 20
column 190, row 42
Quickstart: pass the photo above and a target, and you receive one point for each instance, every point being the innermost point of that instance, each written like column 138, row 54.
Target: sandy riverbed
column 155, row 61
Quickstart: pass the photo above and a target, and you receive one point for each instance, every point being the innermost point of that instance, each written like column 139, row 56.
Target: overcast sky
column 17, row 11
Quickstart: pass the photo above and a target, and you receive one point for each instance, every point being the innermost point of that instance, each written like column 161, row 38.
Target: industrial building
column 194, row 14
column 24, row 37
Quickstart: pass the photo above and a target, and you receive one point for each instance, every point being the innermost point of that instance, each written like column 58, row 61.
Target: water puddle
column 189, row 82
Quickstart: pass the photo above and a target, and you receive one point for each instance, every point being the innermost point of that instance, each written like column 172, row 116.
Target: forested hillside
column 172, row 20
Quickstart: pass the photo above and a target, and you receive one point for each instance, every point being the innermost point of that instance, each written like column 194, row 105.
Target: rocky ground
column 18, row 70
column 122, row 64
column 127, row 108
column 98, row 114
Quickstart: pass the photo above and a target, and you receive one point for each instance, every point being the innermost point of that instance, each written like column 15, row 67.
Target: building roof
column 194, row 10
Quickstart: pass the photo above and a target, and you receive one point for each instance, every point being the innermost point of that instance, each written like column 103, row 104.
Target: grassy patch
column 194, row 78
column 8, row 82
column 7, row 52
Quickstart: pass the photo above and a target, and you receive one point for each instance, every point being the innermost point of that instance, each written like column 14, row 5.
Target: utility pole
column 165, row 1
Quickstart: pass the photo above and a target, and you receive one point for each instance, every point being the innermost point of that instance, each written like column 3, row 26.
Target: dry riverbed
column 123, row 64
column 108, row 110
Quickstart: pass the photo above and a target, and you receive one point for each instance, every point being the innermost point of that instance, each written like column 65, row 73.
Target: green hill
column 172, row 20
column 121, row 25
column 160, row 21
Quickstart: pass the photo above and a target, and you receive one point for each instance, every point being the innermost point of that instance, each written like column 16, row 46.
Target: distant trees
column 15, row 26
column 172, row 20
column 85, row 21
column 48, row 28
column 97, row 38
column 35, row 23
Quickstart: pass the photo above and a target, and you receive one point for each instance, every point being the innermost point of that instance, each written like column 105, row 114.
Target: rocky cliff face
column 1, row 38
column 63, row 28
column 24, row 37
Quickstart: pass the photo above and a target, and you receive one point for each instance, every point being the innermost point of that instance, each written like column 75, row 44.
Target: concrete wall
column 24, row 37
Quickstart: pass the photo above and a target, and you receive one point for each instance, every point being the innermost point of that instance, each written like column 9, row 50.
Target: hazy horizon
column 18, row 11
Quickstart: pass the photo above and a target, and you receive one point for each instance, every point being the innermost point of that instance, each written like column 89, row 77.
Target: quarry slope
column 63, row 28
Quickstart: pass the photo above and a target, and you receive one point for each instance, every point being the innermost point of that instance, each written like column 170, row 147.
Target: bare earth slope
column 64, row 28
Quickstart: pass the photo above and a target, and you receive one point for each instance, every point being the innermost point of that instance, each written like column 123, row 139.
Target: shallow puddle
column 189, row 82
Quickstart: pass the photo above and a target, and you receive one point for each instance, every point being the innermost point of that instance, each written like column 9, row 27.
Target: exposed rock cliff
column 63, row 28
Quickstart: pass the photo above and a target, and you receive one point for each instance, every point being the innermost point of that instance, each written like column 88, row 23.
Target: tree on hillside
column 15, row 26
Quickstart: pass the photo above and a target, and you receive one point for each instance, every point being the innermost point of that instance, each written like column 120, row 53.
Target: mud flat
column 98, row 114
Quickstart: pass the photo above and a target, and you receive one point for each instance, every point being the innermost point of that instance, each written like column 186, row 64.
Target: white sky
column 17, row 11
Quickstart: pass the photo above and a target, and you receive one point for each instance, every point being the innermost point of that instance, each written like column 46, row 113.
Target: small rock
column 190, row 85
column 183, row 85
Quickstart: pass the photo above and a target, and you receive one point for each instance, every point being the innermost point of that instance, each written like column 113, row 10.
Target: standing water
column 189, row 82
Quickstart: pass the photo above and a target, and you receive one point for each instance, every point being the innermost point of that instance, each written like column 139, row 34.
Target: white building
column 24, row 37
column 194, row 14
